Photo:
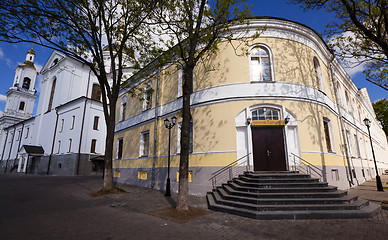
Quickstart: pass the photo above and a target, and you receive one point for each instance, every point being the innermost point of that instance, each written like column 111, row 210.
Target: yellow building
column 286, row 104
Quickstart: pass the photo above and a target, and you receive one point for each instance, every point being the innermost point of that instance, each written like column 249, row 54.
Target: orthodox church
column 67, row 134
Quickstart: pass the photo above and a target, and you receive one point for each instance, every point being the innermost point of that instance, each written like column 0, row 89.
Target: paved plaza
column 47, row 207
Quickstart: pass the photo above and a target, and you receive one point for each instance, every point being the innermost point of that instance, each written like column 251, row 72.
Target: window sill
column 262, row 81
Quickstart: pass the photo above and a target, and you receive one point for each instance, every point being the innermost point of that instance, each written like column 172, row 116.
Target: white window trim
column 149, row 83
column 270, row 61
column 141, row 149
column 180, row 80
column 123, row 101
column 320, row 76
column 330, row 134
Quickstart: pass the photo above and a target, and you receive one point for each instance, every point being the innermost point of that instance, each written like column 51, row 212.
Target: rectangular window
column 95, row 123
column 180, row 75
column 144, row 143
column 326, row 126
column 191, row 145
column 59, row 146
column 357, row 146
column 335, row 175
column 349, row 143
column 147, row 102
column 70, row 141
column 142, row 175
column 93, row 146
column 96, row 92
column 27, row 132
column 190, row 176
column 72, row 123
column 18, row 136
column 124, row 109
column 120, row 148
column 116, row 173
column 62, row 124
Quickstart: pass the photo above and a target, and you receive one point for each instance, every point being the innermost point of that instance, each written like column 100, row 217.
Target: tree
column 191, row 30
column 87, row 31
column 381, row 109
column 360, row 32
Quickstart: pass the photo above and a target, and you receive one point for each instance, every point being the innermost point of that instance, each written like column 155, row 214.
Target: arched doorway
column 268, row 142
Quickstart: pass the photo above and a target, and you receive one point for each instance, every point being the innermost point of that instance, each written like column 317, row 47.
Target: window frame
column 96, row 92
column 318, row 74
column 328, row 134
column 95, row 122
column 270, row 63
column 144, row 144
column 119, row 153
column 147, row 95
column 93, row 146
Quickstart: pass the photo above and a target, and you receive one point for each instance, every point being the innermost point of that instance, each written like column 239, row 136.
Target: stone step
column 337, row 193
column 289, row 207
column 277, row 180
column 366, row 212
column 291, row 188
column 280, row 184
column 286, row 201
column 264, row 175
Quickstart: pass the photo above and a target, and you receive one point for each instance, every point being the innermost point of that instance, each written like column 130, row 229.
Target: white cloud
column 3, row 98
column 1, row 53
column 1, row 113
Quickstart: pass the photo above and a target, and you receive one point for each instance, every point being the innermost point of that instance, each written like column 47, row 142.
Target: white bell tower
column 21, row 96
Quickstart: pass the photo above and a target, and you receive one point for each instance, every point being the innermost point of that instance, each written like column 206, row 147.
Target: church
column 66, row 136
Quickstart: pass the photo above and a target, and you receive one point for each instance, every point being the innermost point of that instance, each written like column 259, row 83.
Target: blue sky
column 13, row 54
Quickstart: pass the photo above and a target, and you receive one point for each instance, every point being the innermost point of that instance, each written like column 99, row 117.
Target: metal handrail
column 314, row 168
column 228, row 167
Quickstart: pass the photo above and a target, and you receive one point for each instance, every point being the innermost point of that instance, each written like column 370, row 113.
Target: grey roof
column 33, row 149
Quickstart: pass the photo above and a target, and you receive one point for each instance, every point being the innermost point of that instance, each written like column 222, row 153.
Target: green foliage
column 381, row 109
column 359, row 32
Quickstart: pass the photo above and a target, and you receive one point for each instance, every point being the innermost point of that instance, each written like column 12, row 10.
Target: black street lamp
column 378, row 180
column 169, row 125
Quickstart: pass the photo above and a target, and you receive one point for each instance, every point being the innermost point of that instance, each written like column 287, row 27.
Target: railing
column 227, row 172
column 307, row 168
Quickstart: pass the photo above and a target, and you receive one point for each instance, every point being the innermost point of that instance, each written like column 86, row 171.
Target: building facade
column 286, row 104
column 67, row 134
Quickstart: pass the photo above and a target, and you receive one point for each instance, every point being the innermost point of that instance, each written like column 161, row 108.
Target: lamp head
column 166, row 122
column 173, row 119
column 367, row 122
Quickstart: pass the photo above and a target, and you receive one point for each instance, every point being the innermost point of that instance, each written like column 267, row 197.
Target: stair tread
column 279, row 179
column 339, row 199
column 356, row 203
column 365, row 212
column 337, row 192
column 284, row 188
column 280, row 183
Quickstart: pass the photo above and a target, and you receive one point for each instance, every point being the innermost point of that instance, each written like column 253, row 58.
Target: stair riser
column 284, row 202
column 289, row 208
column 279, row 185
column 282, row 195
column 276, row 176
column 285, row 190
column 278, row 180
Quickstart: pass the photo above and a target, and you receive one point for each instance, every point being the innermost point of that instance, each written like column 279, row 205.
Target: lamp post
column 378, row 180
column 169, row 125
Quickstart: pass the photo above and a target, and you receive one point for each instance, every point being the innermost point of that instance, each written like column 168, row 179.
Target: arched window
column 318, row 74
column 96, row 92
column 266, row 113
column 261, row 64
column 123, row 108
column 26, row 83
column 50, row 105
column 21, row 106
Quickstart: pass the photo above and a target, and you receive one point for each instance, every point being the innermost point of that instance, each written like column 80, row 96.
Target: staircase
column 286, row 195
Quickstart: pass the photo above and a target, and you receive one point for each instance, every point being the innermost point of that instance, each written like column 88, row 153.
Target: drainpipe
column 2, row 155
column 82, row 127
column 52, row 147
column 20, row 140
column 10, row 150
column 155, row 130
column 350, row 176
column 5, row 143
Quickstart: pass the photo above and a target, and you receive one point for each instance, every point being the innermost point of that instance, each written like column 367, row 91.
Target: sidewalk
column 368, row 190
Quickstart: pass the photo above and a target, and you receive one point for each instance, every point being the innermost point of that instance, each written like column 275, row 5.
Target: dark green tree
column 381, row 110
column 101, row 34
column 191, row 31
column 359, row 31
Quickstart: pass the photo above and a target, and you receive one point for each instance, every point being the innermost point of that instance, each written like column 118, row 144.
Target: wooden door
column 268, row 149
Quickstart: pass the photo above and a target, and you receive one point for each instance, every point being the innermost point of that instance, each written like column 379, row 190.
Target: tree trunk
column 183, row 193
column 108, row 175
